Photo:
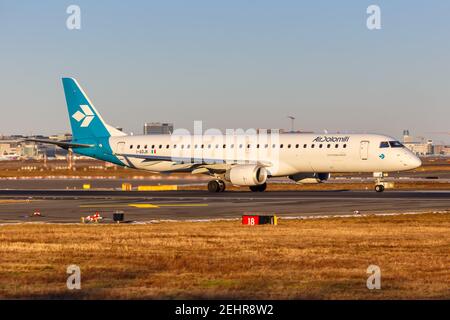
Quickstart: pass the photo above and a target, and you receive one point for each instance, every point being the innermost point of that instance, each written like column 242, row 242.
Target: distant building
column 418, row 145
column 61, row 137
column 16, row 147
column 29, row 150
column 279, row 131
column 268, row 131
column 406, row 137
column 158, row 128
column 442, row 150
column 10, row 148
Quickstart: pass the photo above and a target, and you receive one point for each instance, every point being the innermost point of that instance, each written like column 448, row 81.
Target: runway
column 70, row 205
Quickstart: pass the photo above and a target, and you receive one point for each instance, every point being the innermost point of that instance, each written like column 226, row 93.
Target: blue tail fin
column 85, row 121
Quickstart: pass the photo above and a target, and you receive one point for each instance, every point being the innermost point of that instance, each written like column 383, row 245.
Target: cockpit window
column 395, row 144
column 384, row 144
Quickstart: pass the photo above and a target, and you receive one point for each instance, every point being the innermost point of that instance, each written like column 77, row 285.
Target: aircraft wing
column 187, row 160
column 180, row 160
column 63, row 144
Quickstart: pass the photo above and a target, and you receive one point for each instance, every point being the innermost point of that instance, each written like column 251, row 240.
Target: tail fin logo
column 86, row 115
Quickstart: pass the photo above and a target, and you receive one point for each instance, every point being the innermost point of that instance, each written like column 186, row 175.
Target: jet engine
column 247, row 175
column 309, row 177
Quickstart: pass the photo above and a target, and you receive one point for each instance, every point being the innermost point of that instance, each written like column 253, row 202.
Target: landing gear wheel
column 259, row 188
column 216, row 186
column 221, row 185
column 379, row 188
column 213, row 186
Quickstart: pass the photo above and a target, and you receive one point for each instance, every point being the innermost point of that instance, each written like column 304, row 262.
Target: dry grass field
column 305, row 259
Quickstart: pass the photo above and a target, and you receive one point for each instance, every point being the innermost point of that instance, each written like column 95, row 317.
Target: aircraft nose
column 415, row 162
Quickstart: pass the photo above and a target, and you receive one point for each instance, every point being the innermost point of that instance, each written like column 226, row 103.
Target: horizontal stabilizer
column 62, row 144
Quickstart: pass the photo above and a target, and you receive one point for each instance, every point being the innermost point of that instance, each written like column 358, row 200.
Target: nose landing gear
column 379, row 183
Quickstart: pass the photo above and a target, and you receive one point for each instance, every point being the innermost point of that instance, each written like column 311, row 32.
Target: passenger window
column 167, row 147
column 320, row 146
column 224, row 146
column 281, row 146
column 139, row 146
column 384, row 144
column 160, row 146
column 305, row 145
column 232, row 146
column 273, row 146
column 336, row 146
column 174, row 146
column 296, row 146
column 153, row 146
column 257, row 146
column 312, row 146
column 145, row 147
column 131, row 146
column 240, row 146
column 345, row 146
column 289, row 146
column 266, row 146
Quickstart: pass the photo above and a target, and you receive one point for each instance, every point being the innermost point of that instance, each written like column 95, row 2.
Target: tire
column 258, row 188
column 213, row 186
column 379, row 188
column 221, row 186
column 262, row 187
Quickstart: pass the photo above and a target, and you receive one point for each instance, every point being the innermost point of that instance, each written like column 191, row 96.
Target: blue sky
column 232, row 64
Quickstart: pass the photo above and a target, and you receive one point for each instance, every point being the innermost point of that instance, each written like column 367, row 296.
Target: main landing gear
column 216, row 186
column 219, row 186
column 259, row 187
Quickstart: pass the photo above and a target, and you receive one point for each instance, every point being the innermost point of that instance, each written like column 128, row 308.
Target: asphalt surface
column 113, row 183
column 107, row 183
column 71, row 205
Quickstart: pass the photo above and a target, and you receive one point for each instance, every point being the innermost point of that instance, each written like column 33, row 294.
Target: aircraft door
column 364, row 150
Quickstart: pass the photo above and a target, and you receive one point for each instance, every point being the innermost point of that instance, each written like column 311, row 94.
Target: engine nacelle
column 247, row 175
column 310, row 177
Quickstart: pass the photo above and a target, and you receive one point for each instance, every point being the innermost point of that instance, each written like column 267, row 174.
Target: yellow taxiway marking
column 16, row 201
column 146, row 205
column 143, row 205
column 184, row 205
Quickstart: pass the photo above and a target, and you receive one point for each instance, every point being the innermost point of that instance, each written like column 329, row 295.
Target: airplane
column 237, row 159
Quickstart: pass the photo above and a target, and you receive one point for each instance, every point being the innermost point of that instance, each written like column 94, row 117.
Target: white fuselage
column 282, row 155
